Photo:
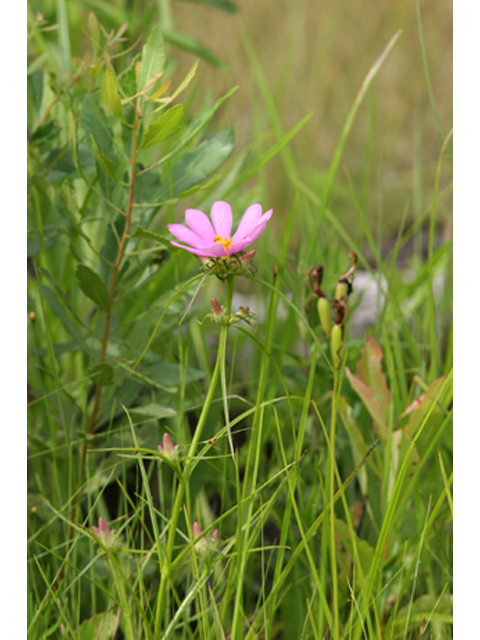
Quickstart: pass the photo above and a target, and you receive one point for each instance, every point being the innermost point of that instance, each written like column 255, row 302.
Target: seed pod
column 341, row 289
column 325, row 315
column 336, row 345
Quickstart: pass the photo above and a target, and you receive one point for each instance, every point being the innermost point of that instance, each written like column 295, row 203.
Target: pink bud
column 169, row 450
column 247, row 259
column 104, row 534
column 216, row 308
column 202, row 544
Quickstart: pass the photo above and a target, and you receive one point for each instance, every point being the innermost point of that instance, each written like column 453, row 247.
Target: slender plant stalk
column 187, row 471
column 108, row 315
column 331, row 516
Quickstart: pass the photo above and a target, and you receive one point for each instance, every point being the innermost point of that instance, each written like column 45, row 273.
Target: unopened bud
column 216, row 308
column 247, row 259
column 202, row 545
column 104, row 534
column 169, row 450
column 325, row 315
column 33, row 316
column 336, row 345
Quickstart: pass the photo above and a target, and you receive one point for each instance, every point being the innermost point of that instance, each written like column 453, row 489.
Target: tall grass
column 327, row 472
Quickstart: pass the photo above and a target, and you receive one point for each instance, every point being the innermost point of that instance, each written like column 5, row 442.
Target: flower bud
column 217, row 309
column 168, row 449
column 104, row 534
column 202, row 545
column 336, row 345
column 247, row 259
column 325, row 315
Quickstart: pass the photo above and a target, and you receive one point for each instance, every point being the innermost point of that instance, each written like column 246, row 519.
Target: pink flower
column 202, row 544
column 168, row 449
column 104, row 534
column 215, row 241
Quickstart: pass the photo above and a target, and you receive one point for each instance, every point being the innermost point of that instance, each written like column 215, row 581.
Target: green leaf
column 128, row 79
column 110, row 91
column 165, row 126
column 154, row 410
column 70, row 196
column 102, row 374
column 144, row 234
column 223, row 5
column 45, row 131
column 102, row 627
column 419, row 408
column 72, row 139
column 187, row 43
column 51, row 234
column 107, row 165
column 153, row 57
column 45, row 187
column 197, row 165
column 186, row 81
column 94, row 122
column 59, row 310
column 93, row 287
column 369, row 370
column 371, row 404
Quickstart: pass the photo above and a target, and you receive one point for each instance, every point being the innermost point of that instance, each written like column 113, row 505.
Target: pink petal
column 96, row 530
column 184, row 234
column 221, row 214
column 239, row 246
column 254, row 233
column 197, row 252
column 259, row 228
column 197, row 531
column 250, row 219
column 200, row 224
column 103, row 526
column 213, row 251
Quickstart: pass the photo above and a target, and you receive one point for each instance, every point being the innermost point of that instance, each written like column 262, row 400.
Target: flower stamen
column 226, row 242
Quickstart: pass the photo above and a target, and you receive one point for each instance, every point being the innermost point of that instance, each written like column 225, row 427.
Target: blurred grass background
column 314, row 56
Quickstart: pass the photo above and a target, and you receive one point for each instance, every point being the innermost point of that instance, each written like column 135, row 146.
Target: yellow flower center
column 227, row 242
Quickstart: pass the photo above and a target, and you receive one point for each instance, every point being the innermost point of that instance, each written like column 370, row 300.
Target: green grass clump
column 309, row 491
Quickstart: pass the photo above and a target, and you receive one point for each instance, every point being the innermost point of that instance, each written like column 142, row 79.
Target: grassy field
column 313, row 429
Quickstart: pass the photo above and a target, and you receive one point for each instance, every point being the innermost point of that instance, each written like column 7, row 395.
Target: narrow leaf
column 144, row 234
column 70, row 196
column 187, row 43
column 59, row 310
column 102, row 374
column 110, row 91
column 165, row 126
column 108, row 166
column 93, row 287
column 186, row 81
column 45, row 187
column 153, row 57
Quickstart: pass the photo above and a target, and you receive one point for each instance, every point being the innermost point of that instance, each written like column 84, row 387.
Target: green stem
column 331, row 482
column 187, row 470
column 122, row 595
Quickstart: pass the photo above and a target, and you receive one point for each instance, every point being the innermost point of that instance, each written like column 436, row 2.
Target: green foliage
column 329, row 510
